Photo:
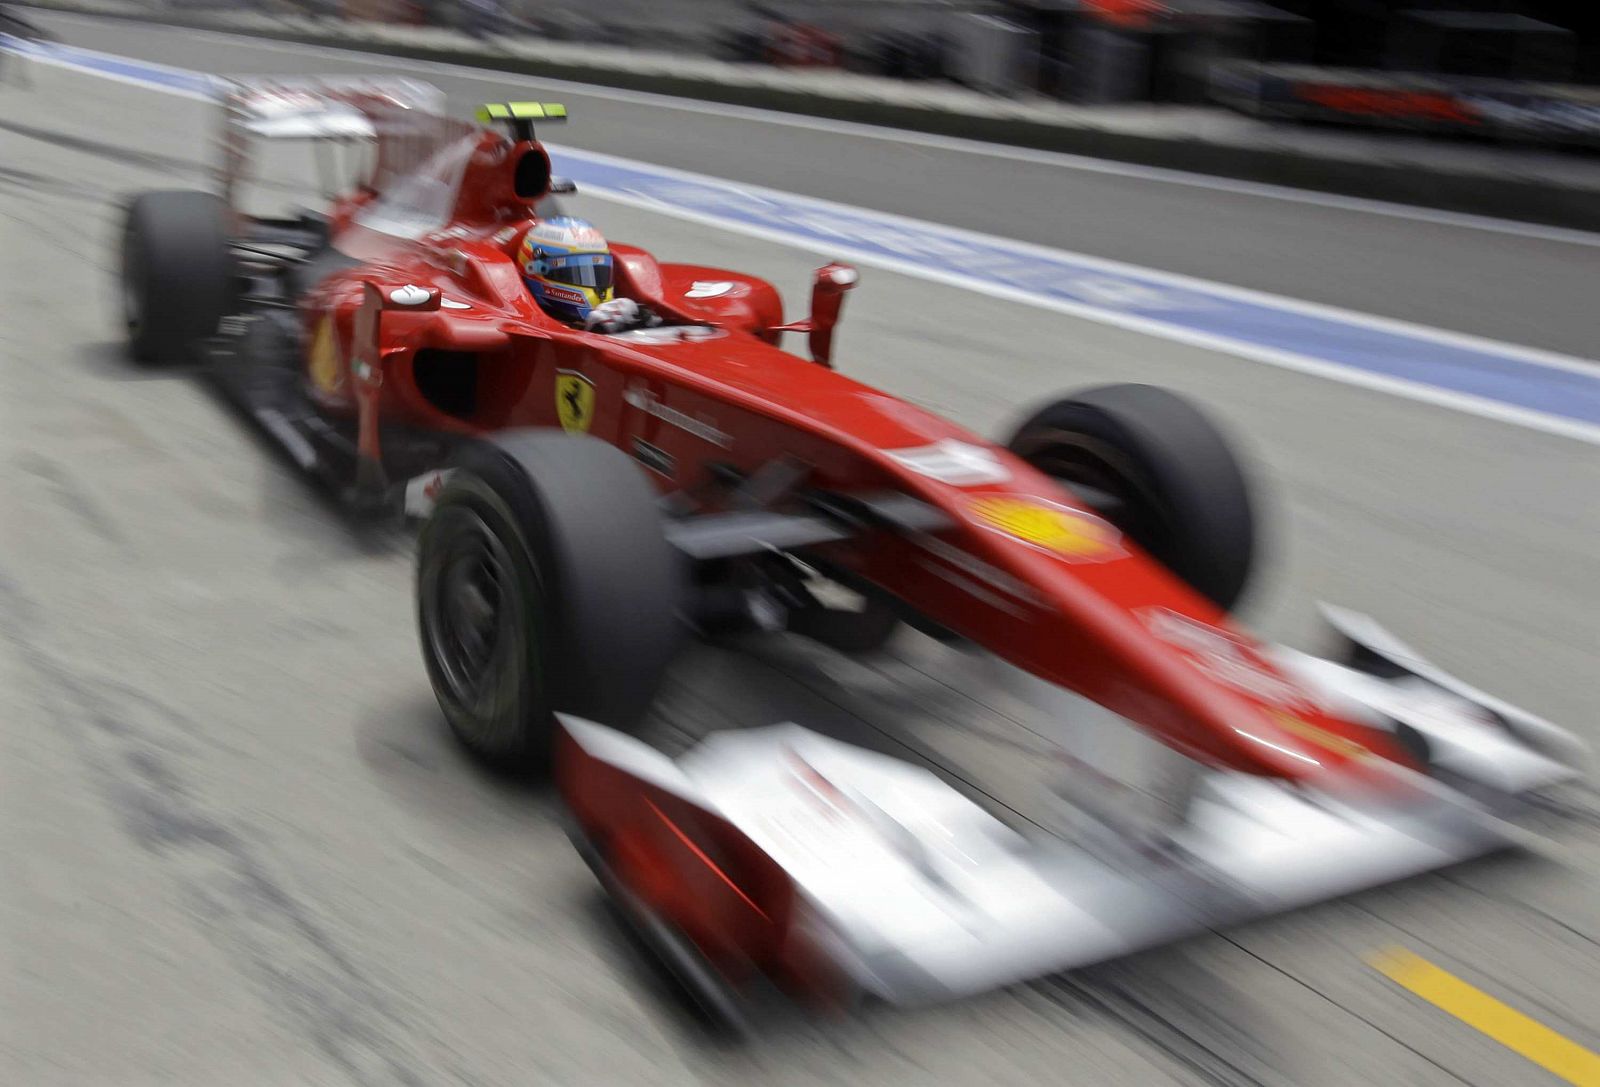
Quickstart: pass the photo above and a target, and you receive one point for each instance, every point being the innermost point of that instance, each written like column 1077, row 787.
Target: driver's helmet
column 567, row 265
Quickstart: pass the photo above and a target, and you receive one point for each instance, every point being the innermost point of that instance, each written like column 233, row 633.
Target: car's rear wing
column 405, row 118
column 333, row 107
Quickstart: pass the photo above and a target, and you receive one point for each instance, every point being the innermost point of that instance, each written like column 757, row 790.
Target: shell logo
column 1066, row 532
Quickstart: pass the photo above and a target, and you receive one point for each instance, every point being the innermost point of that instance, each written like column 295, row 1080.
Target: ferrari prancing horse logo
column 574, row 401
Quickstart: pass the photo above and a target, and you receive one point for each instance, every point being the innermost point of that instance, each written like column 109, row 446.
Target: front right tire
column 1156, row 467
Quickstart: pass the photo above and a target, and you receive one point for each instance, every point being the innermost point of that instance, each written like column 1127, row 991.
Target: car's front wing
column 911, row 892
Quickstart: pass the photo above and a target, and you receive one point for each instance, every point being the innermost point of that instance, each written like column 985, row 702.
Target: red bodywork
column 1057, row 593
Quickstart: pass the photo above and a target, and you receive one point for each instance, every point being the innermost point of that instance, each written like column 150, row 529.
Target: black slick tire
column 1156, row 467
column 178, row 273
column 545, row 585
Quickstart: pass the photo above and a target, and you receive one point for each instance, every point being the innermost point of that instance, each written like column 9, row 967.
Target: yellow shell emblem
column 574, row 401
column 1057, row 529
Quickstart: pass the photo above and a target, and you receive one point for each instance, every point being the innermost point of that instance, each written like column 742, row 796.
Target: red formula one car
column 591, row 497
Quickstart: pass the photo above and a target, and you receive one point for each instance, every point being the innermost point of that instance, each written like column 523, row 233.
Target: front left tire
column 545, row 585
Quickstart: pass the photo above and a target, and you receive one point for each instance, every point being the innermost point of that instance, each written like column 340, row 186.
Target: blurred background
column 1523, row 70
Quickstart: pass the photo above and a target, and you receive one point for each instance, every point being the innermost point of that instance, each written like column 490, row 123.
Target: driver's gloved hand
column 617, row 315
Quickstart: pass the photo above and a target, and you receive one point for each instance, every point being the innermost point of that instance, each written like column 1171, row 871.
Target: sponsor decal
column 504, row 234
column 326, row 373
column 639, row 397
column 654, row 457
column 558, row 292
column 567, row 233
column 708, row 289
column 451, row 303
column 1228, row 659
column 409, row 295
column 585, row 235
column 1342, row 746
column 574, row 401
column 1071, row 534
column 423, row 491
column 960, row 464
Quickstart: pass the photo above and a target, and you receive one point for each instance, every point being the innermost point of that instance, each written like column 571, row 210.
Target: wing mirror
column 828, row 289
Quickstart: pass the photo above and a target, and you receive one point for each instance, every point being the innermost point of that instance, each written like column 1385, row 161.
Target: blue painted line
column 1470, row 370
column 121, row 67
column 1498, row 374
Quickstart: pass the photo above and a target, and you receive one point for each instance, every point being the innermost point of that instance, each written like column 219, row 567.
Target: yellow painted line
column 1524, row 1036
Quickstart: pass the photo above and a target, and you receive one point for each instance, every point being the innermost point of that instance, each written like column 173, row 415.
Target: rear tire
column 545, row 585
column 1160, row 470
column 178, row 272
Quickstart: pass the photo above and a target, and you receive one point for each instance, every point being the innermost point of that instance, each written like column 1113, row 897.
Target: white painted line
column 1410, row 390
column 1534, row 355
column 132, row 81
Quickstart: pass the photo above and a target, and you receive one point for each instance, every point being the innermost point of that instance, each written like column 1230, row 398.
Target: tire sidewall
column 519, row 731
column 596, row 582
column 178, row 269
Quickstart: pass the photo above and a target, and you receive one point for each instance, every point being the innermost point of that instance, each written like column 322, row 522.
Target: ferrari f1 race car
column 589, row 498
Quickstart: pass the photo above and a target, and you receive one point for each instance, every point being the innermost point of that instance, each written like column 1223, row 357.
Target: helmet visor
column 592, row 270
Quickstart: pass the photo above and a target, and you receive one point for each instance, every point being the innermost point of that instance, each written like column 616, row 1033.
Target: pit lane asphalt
column 238, row 848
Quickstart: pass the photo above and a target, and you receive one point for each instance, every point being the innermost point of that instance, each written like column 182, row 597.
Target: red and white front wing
column 832, row 869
